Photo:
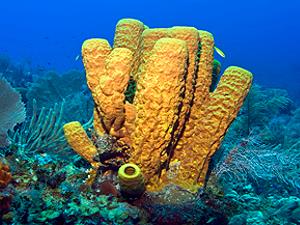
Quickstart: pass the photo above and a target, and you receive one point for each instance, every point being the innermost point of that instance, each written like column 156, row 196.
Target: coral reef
column 173, row 113
column 253, row 178
column 52, row 193
column 261, row 105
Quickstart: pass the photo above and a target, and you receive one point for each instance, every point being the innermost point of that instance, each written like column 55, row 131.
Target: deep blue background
column 260, row 35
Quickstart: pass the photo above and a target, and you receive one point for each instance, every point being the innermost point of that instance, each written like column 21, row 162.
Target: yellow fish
column 220, row 52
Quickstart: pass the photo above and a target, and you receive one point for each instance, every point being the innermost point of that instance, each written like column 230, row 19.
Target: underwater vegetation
column 248, row 173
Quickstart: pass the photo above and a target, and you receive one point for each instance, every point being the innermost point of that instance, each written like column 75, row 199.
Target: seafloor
column 254, row 177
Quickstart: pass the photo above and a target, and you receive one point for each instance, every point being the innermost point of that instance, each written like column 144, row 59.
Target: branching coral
column 174, row 117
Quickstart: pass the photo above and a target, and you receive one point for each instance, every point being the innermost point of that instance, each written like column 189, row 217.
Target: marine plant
column 256, row 183
column 174, row 118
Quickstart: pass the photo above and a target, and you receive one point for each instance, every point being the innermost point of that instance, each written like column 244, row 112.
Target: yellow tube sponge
column 111, row 88
column 218, row 112
column 131, row 180
column 80, row 142
column 157, row 102
column 94, row 53
column 191, row 37
column 129, row 35
column 108, row 72
column 175, row 123
column 201, row 92
column 211, row 123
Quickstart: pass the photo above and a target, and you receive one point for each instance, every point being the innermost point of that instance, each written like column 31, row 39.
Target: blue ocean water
column 262, row 36
column 66, row 159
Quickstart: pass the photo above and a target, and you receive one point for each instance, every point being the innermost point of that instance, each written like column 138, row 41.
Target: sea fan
column 12, row 110
column 272, row 168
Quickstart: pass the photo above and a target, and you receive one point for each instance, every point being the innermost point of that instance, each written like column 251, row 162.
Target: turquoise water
column 253, row 177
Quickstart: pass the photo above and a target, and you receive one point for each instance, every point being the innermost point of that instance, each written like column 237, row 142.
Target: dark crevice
column 176, row 137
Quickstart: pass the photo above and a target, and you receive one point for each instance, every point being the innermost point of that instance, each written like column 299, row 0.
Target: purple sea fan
column 12, row 110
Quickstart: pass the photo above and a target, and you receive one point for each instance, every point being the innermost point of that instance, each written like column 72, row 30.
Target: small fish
column 210, row 219
column 77, row 57
column 220, row 52
column 43, row 155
